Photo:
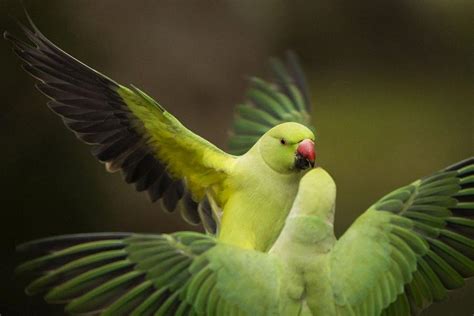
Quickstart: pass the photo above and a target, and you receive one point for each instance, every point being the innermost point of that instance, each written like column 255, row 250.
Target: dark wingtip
column 48, row 243
column 8, row 36
column 30, row 20
column 460, row 164
column 34, row 29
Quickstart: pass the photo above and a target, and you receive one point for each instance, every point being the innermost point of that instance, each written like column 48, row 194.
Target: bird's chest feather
column 254, row 213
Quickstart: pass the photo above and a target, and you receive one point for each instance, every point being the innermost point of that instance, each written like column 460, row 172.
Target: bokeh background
column 392, row 85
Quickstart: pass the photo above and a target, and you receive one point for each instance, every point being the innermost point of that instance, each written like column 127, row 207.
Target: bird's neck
column 303, row 235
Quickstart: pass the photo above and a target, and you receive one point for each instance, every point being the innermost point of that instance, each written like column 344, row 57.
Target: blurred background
column 392, row 88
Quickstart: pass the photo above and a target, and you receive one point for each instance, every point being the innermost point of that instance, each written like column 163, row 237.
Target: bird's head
column 288, row 147
column 316, row 195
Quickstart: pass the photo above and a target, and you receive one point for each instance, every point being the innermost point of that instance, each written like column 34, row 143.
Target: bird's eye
column 283, row 141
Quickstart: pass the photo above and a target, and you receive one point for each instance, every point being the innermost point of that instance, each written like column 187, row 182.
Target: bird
column 129, row 131
column 405, row 252
column 402, row 254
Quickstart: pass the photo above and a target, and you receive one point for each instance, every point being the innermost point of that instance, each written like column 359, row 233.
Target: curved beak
column 305, row 155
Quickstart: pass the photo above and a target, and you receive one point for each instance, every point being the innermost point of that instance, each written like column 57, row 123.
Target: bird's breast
column 255, row 211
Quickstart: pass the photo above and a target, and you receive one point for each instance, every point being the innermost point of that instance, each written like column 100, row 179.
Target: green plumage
column 271, row 103
column 386, row 263
column 271, row 248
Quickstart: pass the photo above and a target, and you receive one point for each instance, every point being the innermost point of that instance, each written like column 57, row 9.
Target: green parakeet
column 243, row 199
column 274, row 251
column 404, row 253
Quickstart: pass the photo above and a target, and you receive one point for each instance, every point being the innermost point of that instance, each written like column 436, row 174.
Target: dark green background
column 392, row 84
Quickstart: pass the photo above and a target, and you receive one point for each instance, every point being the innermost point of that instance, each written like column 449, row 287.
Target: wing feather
column 113, row 274
column 129, row 131
column 284, row 99
column 424, row 231
column 184, row 273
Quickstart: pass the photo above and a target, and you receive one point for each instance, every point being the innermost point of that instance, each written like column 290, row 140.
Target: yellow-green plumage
column 185, row 154
column 274, row 252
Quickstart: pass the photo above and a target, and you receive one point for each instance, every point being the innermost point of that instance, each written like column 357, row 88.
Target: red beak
column 306, row 149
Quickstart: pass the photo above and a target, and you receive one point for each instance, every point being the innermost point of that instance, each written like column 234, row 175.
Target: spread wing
column 113, row 273
column 284, row 99
column 129, row 131
column 409, row 248
column 184, row 273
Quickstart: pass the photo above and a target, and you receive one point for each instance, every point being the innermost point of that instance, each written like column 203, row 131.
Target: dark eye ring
column 283, row 141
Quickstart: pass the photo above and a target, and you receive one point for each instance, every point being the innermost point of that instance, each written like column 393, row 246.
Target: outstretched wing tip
column 426, row 228
column 100, row 112
column 6, row 35
column 116, row 276
column 43, row 243
column 460, row 164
